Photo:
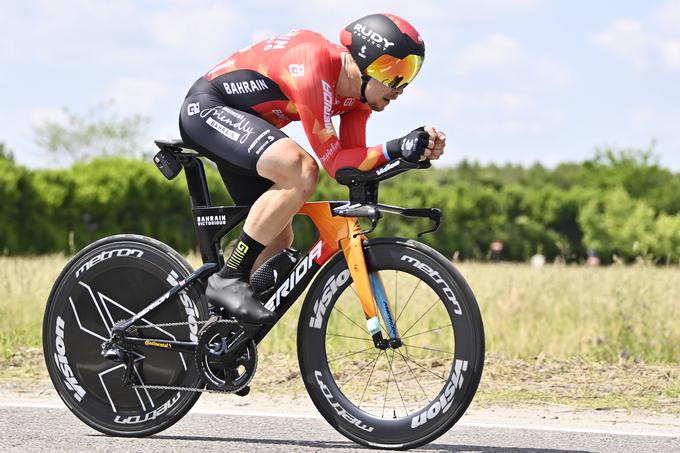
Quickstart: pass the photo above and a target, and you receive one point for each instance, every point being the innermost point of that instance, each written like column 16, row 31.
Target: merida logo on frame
column 295, row 276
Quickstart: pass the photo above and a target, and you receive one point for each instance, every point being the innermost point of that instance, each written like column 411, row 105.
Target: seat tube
column 211, row 250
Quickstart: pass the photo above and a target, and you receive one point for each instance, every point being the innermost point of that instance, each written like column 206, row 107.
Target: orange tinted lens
column 394, row 72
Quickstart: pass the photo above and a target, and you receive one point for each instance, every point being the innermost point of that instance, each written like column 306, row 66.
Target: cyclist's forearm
column 364, row 159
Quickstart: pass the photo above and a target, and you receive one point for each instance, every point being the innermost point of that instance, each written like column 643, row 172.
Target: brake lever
column 436, row 217
column 363, row 211
column 374, row 223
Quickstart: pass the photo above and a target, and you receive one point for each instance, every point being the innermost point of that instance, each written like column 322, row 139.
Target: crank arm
column 235, row 345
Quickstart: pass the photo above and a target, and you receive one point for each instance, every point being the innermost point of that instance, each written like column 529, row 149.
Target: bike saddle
column 176, row 143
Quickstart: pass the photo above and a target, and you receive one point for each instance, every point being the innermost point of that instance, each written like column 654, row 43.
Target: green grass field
column 584, row 337
column 610, row 314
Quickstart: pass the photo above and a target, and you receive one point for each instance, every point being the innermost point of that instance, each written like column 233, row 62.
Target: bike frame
column 336, row 234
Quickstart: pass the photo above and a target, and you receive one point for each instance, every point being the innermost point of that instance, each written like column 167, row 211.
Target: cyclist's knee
column 289, row 166
column 301, row 174
column 309, row 177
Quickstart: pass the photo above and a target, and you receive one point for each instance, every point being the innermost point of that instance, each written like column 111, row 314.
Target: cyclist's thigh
column 287, row 164
column 244, row 186
column 225, row 134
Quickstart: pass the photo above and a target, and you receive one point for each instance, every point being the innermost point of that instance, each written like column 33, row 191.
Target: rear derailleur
column 116, row 351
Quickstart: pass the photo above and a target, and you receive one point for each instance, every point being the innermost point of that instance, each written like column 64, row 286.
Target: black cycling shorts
column 231, row 138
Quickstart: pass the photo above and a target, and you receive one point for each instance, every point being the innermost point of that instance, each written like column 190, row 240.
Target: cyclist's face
column 378, row 96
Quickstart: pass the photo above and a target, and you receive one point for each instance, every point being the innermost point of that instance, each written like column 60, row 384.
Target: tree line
column 621, row 204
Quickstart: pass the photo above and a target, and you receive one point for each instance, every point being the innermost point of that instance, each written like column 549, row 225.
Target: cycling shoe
column 237, row 298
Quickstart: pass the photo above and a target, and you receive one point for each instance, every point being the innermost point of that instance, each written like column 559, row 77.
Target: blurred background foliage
column 620, row 204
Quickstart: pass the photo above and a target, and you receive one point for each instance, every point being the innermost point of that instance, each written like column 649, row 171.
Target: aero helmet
column 385, row 47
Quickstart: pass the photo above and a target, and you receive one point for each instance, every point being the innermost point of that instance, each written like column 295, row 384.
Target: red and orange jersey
column 292, row 77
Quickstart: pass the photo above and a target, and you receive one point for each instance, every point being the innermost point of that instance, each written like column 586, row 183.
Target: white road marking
column 250, row 413
column 569, row 430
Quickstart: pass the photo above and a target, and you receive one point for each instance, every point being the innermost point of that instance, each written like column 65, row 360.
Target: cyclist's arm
column 315, row 96
column 354, row 152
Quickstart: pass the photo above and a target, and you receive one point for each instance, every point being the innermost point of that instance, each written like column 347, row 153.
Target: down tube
column 291, row 288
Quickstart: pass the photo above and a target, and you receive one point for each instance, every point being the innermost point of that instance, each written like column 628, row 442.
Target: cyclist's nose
column 396, row 92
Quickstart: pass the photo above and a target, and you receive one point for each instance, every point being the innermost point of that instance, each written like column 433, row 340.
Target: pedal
column 244, row 391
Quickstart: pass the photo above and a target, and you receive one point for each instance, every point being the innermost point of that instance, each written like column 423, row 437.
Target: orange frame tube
column 343, row 233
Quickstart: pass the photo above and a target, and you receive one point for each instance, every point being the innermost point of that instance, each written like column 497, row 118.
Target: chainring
column 225, row 376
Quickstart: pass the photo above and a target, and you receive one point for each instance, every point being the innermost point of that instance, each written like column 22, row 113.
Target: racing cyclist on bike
column 233, row 115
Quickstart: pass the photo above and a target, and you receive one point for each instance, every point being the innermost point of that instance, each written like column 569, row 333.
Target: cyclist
column 233, row 114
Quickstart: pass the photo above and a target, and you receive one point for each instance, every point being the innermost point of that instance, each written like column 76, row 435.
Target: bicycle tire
column 107, row 281
column 337, row 401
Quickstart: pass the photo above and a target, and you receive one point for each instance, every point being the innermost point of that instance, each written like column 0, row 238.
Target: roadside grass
column 584, row 337
column 613, row 314
column 25, row 284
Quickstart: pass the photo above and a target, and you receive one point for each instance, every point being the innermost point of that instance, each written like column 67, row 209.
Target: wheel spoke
column 427, row 331
column 387, row 388
column 429, row 349
column 350, row 354
column 427, row 398
column 389, row 362
column 421, row 316
column 441, row 378
column 348, row 336
column 360, row 370
column 369, row 378
column 409, row 299
column 348, row 318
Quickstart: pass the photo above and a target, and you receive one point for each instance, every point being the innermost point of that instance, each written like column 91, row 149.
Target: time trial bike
column 390, row 339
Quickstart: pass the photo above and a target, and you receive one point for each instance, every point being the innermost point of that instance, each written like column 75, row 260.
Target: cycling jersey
column 290, row 77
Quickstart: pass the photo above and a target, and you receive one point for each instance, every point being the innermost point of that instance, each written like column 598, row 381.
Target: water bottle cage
column 273, row 271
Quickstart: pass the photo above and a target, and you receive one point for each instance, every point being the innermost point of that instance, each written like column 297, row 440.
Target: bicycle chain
column 176, row 324
column 174, row 387
column 178, row 388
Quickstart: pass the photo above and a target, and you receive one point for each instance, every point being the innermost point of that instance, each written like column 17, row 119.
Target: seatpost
column 196, row 181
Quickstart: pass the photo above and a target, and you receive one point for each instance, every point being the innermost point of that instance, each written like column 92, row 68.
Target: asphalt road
column 53, row 428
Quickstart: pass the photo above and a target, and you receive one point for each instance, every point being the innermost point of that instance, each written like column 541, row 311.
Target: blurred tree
column 99, row 132
column 6, row 153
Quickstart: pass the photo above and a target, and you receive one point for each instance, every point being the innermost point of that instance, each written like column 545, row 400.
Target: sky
column 518, row 81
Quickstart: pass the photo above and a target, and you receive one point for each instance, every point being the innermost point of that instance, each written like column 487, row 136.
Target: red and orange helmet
column 385, row 47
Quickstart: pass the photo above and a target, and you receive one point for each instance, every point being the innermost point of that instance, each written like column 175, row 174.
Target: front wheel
column 109, row 281
column 393, row 398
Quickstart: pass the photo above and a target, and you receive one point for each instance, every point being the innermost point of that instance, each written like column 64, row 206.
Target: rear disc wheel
column 111, row 280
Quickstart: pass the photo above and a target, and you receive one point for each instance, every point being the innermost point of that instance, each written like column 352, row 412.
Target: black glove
column 411, row 146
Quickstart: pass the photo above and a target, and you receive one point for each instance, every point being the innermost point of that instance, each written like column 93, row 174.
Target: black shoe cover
column 237, row 297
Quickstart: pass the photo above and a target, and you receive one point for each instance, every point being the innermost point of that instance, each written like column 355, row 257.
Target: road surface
column 46, row 425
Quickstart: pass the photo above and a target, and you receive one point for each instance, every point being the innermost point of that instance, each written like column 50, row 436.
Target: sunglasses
column 395, row 72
